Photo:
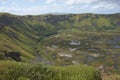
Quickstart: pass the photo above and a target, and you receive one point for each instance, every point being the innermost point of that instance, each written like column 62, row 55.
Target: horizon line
column 57, row 13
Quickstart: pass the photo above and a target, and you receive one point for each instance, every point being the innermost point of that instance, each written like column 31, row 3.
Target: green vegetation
column 24, row 71
column 21, row 33
column 62, row 40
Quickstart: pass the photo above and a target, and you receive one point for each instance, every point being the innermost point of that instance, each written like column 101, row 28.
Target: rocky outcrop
column 13, row 55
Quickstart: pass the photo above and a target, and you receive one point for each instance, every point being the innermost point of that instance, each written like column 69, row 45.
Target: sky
column 35, row 7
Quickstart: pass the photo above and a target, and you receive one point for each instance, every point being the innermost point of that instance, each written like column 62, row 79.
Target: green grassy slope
column 16, row 35
column 43, row 33
column 98, row 48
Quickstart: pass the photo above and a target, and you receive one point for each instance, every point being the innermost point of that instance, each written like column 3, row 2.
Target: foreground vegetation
column 22, row 71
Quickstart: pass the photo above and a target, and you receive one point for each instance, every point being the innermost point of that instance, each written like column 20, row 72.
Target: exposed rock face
column 65, row 55
column 75, row 42
column 13, row 55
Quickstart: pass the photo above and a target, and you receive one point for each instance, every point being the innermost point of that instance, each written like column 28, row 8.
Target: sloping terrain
column 91, row 39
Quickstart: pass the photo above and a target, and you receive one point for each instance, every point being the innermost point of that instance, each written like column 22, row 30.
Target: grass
column 112, row 77
column 23, row 71
column 25, row 33
column 97, row 40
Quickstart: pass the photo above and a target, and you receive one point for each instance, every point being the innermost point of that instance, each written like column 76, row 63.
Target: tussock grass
column 23, row 71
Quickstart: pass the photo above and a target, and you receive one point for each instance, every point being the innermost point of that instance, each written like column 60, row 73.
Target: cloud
column 50, row 1
column 110, row 1
column 95, row 2
column 22, row 10
column 103, row 6
column 106, row 5
column 94, row 6
column 62, row 6
column 91, row 4
column 31, row 0
column 3, row 2
column 73, row 2
column 55, row 1
column 13, row 3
